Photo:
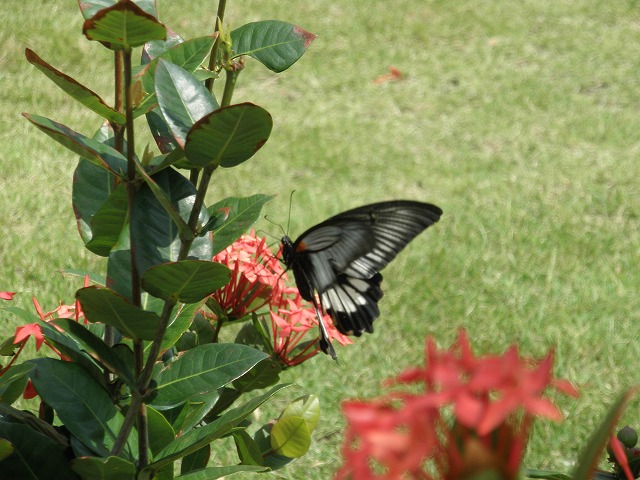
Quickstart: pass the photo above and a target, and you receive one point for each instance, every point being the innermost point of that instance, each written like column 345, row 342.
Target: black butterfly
column 340, row 258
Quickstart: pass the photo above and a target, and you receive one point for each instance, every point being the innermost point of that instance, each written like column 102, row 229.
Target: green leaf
column 92, row 186
column 228, row 136
column 98, row 350
column 82, row 405
column 227, row 396
column 187, row 416
column 181, row 319
column 271, row 459
column 155, row 48
column 307, row 407
column 248, row 451
column 161, row 433
column 6, row 449
column 182, row 99
column 90, row 7
column 290, row 437
column 264, row 374
column 34, row 456
column 103, row 305
column 13, row 382
column 184, row 316
column 187, row 281
column 202, row 370
column 275, row 44
column 590, row 455
column 22, row 314
column 98, row 153
column 167, row 205
column 119, row 265
column 108, row 221
column 197, row 438
column 212, row 473
column 155, row 234
column 161, row 132
column 70, row 348
column 160, row 162
column 30, row 420
column 109, row 468
column 75, row 90
column 240, row 215
column 187, row 55
column 196, row 461
column 123, row 26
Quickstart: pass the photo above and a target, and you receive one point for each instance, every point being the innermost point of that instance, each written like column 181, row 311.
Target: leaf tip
column 308, row 36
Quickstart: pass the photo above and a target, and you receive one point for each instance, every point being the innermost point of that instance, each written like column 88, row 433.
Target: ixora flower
column 256, row 277
column 494, row 400
column 258, row 284
column 291, row 318
column 23, row 332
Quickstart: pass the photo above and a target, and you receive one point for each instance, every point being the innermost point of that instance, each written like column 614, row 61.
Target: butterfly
column 336, row 264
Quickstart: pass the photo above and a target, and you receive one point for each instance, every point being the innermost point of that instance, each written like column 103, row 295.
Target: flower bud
column 628, row 436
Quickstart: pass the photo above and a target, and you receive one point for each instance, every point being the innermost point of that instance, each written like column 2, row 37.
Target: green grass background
column 519, row 119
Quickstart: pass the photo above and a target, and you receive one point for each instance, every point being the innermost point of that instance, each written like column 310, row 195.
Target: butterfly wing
column 340, row 258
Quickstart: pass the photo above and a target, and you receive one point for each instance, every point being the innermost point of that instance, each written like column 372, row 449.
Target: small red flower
column 7, row 295
column 256, row 277
column 258, row 283
column 29, row 391
column 25, row 331
column 291, row 318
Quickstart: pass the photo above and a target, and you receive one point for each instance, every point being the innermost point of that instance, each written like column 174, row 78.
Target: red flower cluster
column 494, row 399
column 258, row 283
column 23, row 332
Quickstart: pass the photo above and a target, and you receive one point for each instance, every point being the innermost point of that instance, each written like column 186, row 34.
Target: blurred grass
column 519, row 120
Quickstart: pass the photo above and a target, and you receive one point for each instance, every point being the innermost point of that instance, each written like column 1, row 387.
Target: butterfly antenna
column 267, row 234
column 325, row 341
column 268, row 219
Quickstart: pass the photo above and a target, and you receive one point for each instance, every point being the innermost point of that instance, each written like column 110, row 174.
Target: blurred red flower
column 494, row 400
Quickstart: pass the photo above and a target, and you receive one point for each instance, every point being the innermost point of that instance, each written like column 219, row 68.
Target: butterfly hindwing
column 340, row 258
column 353, row 303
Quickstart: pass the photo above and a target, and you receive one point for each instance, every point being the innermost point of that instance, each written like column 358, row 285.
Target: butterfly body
column 340, row 259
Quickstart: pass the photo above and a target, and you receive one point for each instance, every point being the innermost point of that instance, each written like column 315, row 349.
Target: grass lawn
column 520, row 120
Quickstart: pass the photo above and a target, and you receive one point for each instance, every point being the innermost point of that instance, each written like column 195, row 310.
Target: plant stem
column 138, row 347
column 109, row 331
column 129, row 419
column 229, row 85
column 143, row 436
column 137, row 409
column 213, row 59
column 131, row 170
column 119, row 100
column 194, row 173
column 154, row 350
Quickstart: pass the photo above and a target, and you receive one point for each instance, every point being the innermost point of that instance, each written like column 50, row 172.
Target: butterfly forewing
column 340, row 258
